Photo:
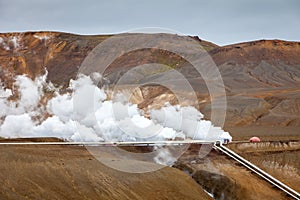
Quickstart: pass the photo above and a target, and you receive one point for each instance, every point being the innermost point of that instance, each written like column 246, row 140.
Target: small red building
column 254, row 139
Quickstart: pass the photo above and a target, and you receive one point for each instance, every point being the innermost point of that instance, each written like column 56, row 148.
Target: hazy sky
column 220, row 21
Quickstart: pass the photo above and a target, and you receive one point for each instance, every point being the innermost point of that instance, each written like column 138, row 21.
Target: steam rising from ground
column 86, row 114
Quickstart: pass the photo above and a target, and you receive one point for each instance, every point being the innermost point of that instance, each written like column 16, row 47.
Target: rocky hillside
column 262, row 78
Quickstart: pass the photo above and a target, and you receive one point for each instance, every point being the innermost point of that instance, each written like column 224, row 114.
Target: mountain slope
column 261, row 77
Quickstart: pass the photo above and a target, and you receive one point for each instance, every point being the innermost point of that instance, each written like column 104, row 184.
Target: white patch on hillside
column 42, row 36
column 3, row 44
column 11, row 43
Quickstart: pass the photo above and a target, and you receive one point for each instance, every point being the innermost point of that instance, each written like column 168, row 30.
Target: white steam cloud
column 86, row 114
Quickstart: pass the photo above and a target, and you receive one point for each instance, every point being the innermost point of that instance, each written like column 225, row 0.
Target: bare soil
column 278, row 158
column 225, row 178
column 70, row 172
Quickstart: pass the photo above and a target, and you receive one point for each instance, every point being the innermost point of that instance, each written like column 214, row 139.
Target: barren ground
column 227, row 179
column 70, row 172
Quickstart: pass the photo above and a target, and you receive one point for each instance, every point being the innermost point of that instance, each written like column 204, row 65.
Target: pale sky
column 219, row 21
